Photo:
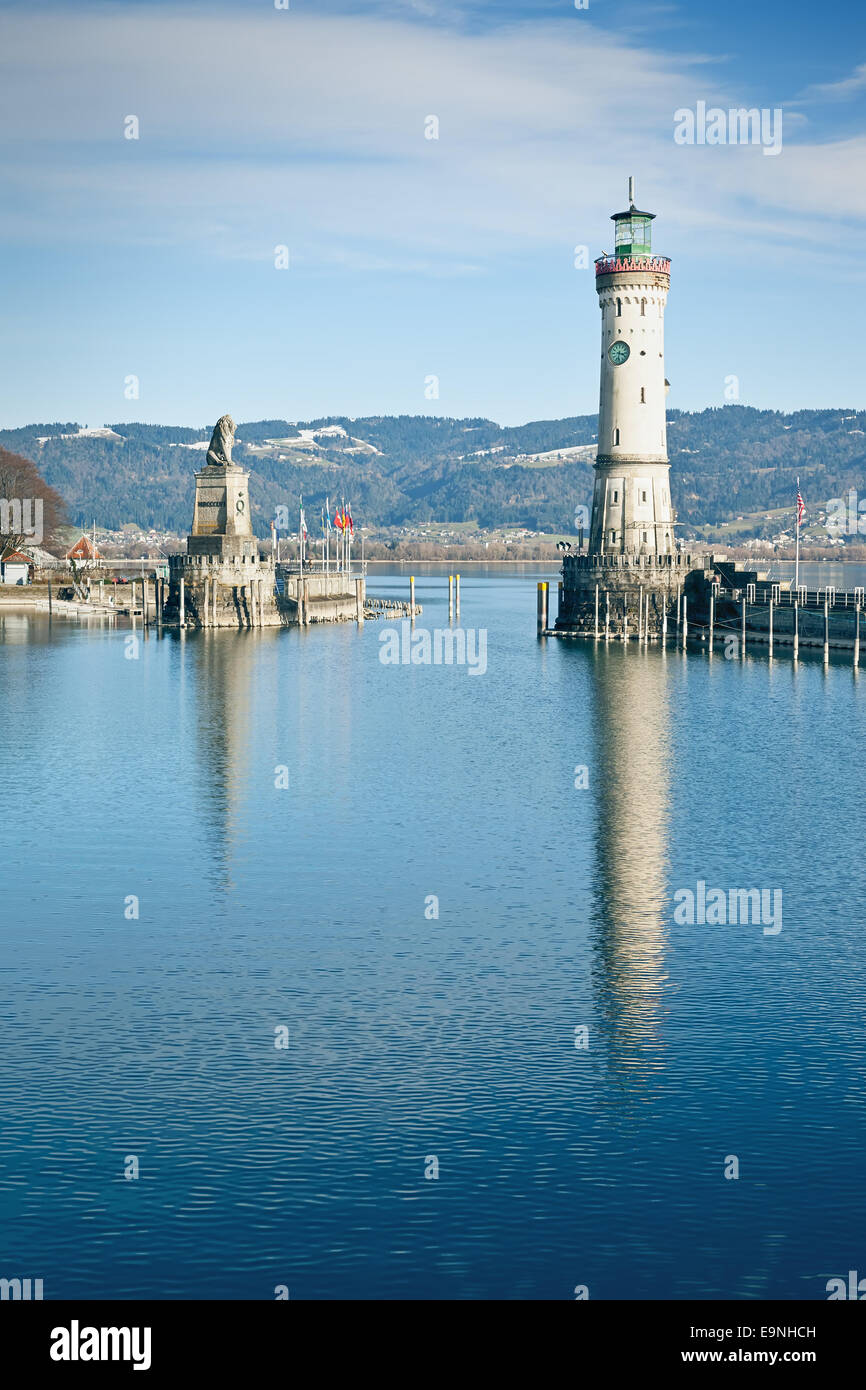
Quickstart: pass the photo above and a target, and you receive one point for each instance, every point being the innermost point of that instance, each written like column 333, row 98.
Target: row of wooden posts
column 159, row 597
column 453, row 595
column 682, row 621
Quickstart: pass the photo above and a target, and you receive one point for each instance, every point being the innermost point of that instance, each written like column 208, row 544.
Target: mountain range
column 727, row 462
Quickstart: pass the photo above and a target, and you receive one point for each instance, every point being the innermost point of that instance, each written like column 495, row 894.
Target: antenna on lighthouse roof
column 631, row 192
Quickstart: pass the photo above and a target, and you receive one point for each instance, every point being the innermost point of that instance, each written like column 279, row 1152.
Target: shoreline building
column 632, row 570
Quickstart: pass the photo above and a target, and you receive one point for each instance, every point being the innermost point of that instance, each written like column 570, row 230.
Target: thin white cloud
column 842, row 90
column 273, row 127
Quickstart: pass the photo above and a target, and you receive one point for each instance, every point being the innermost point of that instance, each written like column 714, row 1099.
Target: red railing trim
column 609, row 265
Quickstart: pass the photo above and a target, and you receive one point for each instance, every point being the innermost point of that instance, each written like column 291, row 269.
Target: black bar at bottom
column 222, row 1339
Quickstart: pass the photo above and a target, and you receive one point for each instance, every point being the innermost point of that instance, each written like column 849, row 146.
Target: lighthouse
column 631, row 508
column 631, row 573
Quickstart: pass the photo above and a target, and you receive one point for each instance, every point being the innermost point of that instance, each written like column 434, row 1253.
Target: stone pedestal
column 221, row 524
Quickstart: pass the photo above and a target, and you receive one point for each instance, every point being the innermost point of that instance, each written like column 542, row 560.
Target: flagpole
column 797, row 561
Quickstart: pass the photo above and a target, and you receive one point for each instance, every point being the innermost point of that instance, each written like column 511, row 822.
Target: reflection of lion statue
column 222, row 439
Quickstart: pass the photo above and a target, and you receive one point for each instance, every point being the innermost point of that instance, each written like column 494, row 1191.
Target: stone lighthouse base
column 632, row 591
column 231, row 591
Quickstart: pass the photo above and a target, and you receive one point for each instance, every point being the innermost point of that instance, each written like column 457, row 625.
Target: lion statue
column 222, row 439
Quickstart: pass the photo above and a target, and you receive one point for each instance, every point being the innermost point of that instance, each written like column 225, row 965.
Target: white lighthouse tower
column 632, row 570
column 631, row 510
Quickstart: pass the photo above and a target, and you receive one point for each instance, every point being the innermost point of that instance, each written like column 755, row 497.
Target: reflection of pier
column 220, row 667
column 632, row 778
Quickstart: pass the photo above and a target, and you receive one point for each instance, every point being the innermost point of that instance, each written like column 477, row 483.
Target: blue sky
column 409, row 257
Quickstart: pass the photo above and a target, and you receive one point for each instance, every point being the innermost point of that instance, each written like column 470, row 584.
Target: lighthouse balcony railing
column 611, row 265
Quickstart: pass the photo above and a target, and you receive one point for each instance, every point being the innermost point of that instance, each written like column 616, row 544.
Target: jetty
column 718, row 603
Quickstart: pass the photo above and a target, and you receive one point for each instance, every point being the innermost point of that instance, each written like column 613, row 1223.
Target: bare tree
column 30, row 510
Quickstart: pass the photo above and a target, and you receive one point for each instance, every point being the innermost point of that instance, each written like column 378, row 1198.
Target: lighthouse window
column 616, row 436
column 644, row 537
column 643, row 395
column 616, row 497
column 643, row 499
column 619, row 308
column 643, row 308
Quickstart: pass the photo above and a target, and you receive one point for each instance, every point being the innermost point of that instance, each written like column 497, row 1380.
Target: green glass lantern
column 633, row 229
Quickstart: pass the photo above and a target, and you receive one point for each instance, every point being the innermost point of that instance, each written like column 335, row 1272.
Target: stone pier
column 625, row 582
column 232, row 591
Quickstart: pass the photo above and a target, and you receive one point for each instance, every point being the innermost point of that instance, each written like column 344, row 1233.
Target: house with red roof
column 16, row 568
column 83, row 549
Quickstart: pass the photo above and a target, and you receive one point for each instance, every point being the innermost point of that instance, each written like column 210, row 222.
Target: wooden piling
column 685, row 619
column 450, row 597
column 543, row 588
column 826, row 631
column 412, row 596
column 182, row 604
column 457, row 595
column 50, row 610
column 857, row 633
column 771, row 626
column 359, row 601
column 796, row 630
column 743, row 630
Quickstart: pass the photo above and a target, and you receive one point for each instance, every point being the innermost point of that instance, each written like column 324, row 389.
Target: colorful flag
column 350, row 523
column 338, row 520
column 801, row 508
column 328, row 513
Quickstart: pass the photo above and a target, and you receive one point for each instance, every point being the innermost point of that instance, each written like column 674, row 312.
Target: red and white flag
column 801, row 509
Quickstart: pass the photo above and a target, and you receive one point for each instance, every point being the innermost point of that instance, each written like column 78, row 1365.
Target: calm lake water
column 411, row 1037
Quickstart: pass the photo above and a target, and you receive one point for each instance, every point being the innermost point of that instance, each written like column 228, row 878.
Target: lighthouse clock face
column 618, row 353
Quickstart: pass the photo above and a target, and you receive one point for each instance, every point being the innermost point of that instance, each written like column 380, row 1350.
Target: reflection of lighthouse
column 632, row 762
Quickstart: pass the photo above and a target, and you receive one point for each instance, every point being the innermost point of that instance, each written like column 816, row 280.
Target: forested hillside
column 399, row 470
